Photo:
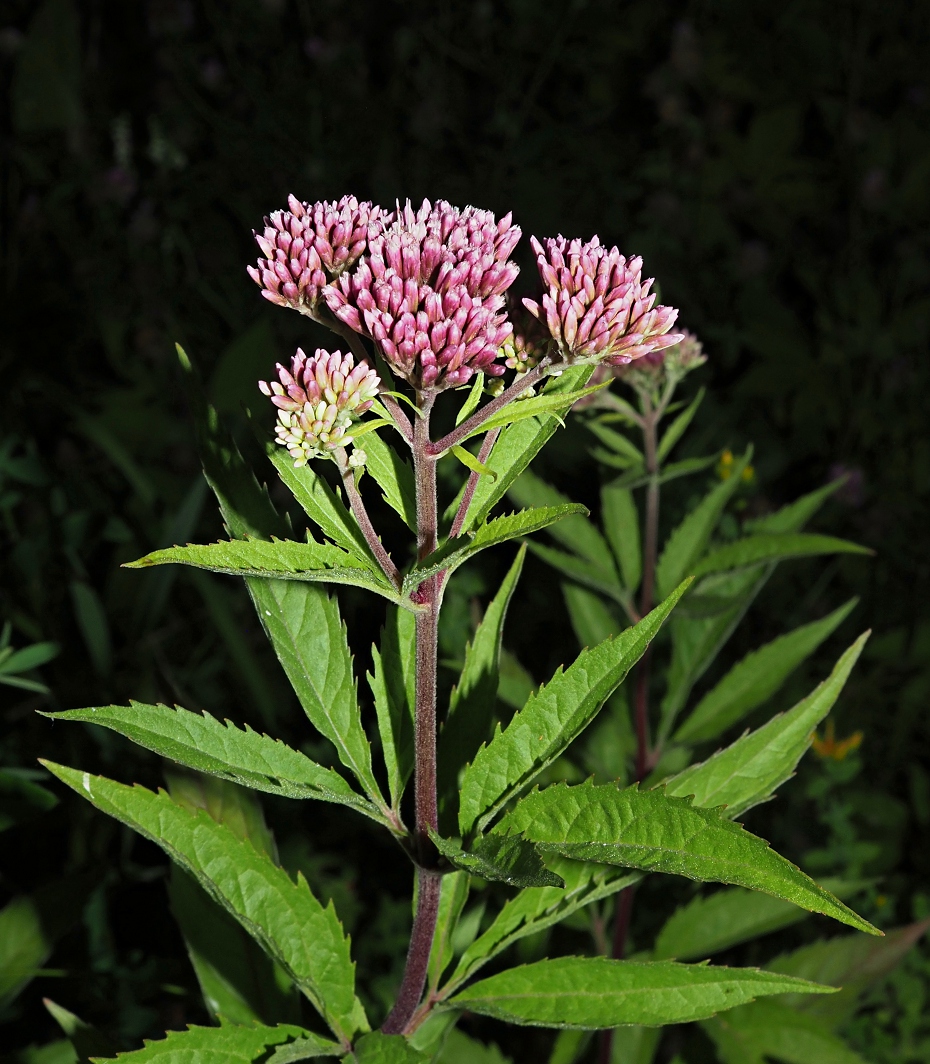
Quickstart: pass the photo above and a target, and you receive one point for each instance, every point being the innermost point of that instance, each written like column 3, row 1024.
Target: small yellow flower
column 881, row 901
column 749, row 474
column 725, row 465
column 830, row 746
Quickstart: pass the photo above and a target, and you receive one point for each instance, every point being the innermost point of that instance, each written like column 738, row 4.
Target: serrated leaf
column 499, row 859
column 654, row 831
column 795, row 515
column 553, row 717
column 393, row 685
column 773, row 547
column 309, row 1047
column 378, row 1048
column 687, row 543
column 757, row 677
column 533, row 407
column 394, row 476
column 577, row 533
column 518, row 445
column 594, row 993
column 452, row 898
column 201, row 742
column 309, row 637
column 621, row 526
column 707, row 925
column 303, row 936
column 749, row 770
column 678, row 427
column 219, row 1045
column 591, row 619
column 474, row 698
column 766, row 1030
column 849, row 962
column 498, row 530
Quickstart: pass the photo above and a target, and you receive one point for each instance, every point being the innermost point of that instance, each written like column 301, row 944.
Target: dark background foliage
column 770, row 162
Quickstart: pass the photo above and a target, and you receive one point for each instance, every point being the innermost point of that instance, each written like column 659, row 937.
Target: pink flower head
column 596, row 305
column 317, row 401
column 309, row 245
column 429, row 291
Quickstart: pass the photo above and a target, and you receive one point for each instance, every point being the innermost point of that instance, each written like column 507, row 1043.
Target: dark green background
column 770, row 161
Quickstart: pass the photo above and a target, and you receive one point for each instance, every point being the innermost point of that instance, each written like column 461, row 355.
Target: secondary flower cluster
column 317, row 401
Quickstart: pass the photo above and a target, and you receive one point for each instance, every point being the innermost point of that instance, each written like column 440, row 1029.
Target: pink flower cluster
column 309, row 245
column 596, row 305
column 317, row 401
column 430, row 292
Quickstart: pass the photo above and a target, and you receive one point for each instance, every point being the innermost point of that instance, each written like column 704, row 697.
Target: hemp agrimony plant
column 418, row 298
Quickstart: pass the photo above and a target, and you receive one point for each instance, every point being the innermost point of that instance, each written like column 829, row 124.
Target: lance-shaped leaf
column 394, row 476
column 474, row 698
column 689, row 540
column 458, row 1048
column 625, row 452
column 655, row 832
column 579, row 569
column 499, row 530
column 553, row 717
column 454, row 894
column 518, row 445
column 678, row 427
column 393, row 686
column 773, row 547
column 795, row 515
column 756, row 678
column 592, row 620
column 707, row 925
column 621, row 526
column 305, row 938
column 750, row 770
column 501, row 859
column 768, row 1030
column 378, row 1048
column 537, row 908
column 201, row 742
column 230, row 1044
column 306, row 630
column 578, row 533
column 593, row 992
column 277, row 560
column 534, row 407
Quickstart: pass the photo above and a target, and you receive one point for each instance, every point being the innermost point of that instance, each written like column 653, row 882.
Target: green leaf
column 474, row 698
column 569, row 1046
column 458, row 1048
column 454, row 894
column 849, row 962
column 756, row 678
column 578, row 533
column 593, row 992
column 621, row 526
column 85, row 1038
column 378, row 1048
column 21, row 799
column 685, row 468
column 707, row 925
column 687, row 543
column 309, row 1047
column 747, row 772
column 225, row 802
column 795, row 515
column 533, row 407
column 471, row 462
column 678, row 427
column 498, row 530
column 91, row 617
column 553, row 717
column 228, row 1044
column 394, row 476
column 31, row 924
column 472, row 399
column 201, row 742
column 592, row 620
column 499, row 859
column 306, row 939
column 515, row 685
column 654, row 831
column 622, row 446
column 518, row 445
column 29, row 657
column 766, row 1030
column 579, row 569
column 774, row 547
column 393, row 685
column 309, row 637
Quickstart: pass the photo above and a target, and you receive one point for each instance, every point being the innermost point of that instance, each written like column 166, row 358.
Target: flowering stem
column 463, row 431
column 469, row 493
column 624, row 910
column 424, row 727
column 363, row 520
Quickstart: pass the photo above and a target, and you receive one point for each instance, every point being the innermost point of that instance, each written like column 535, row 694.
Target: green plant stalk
column 427, row 595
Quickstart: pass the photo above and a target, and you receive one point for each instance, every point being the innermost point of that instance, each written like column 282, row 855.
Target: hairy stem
column 469, row 493
column 363, row 520
column 424, row 726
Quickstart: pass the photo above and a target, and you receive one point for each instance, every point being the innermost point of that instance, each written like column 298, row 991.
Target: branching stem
column 487, row 445
column 364, row 521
